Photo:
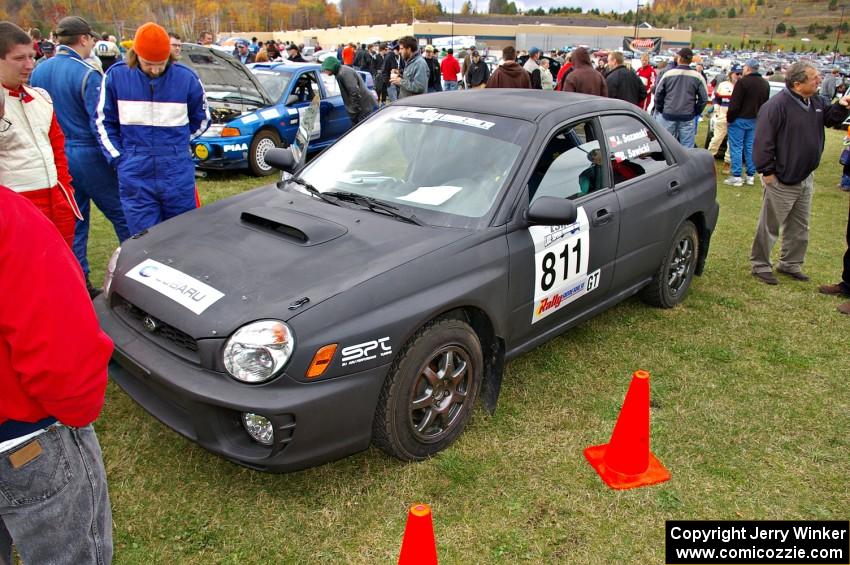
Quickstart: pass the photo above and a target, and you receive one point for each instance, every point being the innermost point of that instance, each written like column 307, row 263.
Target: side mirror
column 546, row 210
column 281, row 158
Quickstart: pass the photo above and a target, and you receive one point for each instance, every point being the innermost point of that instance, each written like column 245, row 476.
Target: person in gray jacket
column 355, row 95
column 415, row 77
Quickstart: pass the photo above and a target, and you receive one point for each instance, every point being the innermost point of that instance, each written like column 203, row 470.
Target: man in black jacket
column 355, row 95
column 748, row 96
column 434, row 84
column 623, row 82
column 789, row 141
column 392, row 62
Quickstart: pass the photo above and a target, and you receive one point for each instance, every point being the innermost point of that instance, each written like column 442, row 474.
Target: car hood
column 221, row 73
column 270, row 253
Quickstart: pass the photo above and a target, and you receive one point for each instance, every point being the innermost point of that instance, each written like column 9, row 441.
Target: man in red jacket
column 54, row 503
column 32, row 147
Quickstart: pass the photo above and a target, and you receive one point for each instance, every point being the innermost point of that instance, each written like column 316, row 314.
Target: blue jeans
column 94, row 180
column 741, row 134
column 450, row 85
column 685, row 131
column 55, row 507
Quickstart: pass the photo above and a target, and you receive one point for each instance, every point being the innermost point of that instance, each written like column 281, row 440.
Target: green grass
column 750, row 402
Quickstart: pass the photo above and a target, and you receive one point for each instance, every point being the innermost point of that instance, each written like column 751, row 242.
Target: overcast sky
column 603, row 5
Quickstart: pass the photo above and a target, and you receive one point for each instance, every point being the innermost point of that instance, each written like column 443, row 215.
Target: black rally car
column 376, row 294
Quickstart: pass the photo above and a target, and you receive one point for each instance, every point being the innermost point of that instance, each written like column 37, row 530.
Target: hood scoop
column 294, row 227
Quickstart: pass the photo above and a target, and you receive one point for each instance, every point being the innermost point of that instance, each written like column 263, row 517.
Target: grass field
column 750, row 414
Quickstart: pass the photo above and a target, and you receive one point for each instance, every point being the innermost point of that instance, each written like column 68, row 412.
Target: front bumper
column 314, row 422
column 221, row 153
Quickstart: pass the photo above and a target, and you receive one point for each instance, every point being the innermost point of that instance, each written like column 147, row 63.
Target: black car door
column 651, row 193
column 558, row 273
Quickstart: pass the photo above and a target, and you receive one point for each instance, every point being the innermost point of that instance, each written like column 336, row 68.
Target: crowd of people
column 86, row 118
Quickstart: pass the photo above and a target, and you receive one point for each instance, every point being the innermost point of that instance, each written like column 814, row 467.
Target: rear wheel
column 430, row 392
column 670, row 284
column 262, row 142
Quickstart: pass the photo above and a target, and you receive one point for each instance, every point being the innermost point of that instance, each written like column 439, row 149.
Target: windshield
column 446, row 167
column 274, row 82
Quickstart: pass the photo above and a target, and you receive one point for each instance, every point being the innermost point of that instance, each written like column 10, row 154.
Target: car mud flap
column 494, row 369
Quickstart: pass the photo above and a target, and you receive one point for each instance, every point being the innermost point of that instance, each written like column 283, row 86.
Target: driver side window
column 572, row 165
column 306, row 87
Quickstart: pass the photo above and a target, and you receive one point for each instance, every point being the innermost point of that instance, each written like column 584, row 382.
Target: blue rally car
column 258, row 109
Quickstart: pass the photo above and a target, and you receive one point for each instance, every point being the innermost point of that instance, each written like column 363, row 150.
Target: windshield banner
column 642, row 44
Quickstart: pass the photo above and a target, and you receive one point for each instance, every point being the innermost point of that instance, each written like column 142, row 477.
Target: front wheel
column 430, row 392
column 673, row 279
column 262, row 142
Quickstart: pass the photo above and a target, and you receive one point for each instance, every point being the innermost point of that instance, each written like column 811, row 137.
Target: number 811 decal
column 561, row 256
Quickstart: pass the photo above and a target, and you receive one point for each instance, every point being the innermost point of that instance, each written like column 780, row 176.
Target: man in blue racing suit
column 150, row 109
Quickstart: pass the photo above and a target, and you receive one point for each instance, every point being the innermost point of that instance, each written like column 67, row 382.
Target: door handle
column 673, row 188
column 601, row 217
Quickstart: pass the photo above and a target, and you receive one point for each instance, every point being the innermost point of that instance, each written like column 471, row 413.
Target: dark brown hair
column 509, row 53
column 11, row 35
column 409, row 42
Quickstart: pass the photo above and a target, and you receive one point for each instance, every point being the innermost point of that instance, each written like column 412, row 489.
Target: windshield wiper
column 312, row 190
column 376, row 206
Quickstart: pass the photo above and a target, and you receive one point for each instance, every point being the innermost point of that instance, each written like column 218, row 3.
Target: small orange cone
column 418, row 546
column 626, row 462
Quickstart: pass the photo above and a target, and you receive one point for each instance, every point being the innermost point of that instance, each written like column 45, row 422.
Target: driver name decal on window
column 623, row 145
column 560, row 265
column 430, row 116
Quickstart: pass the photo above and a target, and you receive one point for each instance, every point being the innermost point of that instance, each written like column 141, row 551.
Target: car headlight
column 258, row 351
column 110, row 272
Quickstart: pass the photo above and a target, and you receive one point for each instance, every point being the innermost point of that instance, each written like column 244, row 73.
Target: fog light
column 258, row 427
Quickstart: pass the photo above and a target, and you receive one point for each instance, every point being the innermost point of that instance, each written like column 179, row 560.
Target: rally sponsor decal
column 270, row 113
column 227, row 148
column 250, row 119
column 428, row 116
column 561, row 256
column 187, row 291
column 366, row 351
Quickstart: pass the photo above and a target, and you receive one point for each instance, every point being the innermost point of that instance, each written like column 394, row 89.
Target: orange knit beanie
column 151, row 43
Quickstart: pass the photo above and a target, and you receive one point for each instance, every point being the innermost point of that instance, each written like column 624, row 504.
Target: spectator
column 414, row 77
column 32, row 152
column 294, row 54
column 509, row 74
column 584, row 78
column 622, row 81
column 107, row 51
column 148, row 141
column 786, row 165
column 648, row 77
column 722, row 95
column 433, row 70
column 360, row 58
column 75, row 90
column 533, row 68
column 355, row 95
column 680, row 97
column 829, row 86
column 560, row 80
column 842, row 287
column 35, row 35
column 48, row 50
column 262, row 56
column 243, row 54
column 176, row 45
column 53, row 377
column 254, row 47
column 380, row 77
column 348, row 55
column 478, row 72
column 449, row 67
column 392, row 66
column 748, row 96
column 206, row 38
column 546, row 80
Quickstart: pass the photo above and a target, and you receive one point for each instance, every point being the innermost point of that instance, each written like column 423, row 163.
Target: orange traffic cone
column 418, row 546
column 625, row 462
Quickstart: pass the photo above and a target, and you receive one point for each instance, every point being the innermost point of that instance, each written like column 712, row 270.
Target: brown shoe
column 798, row 275
column 836, row 289
column 766, row 277
column 727, row 168
column 844, row 308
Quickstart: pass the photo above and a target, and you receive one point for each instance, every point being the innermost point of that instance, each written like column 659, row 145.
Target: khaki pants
column 785, row 206
column 719, row 134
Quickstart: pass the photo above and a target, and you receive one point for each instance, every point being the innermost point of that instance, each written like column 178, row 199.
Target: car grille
column 150, row 325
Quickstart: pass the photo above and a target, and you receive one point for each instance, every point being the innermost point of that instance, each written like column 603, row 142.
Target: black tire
column 670, row 284
column 419, row 413
column 262, row 142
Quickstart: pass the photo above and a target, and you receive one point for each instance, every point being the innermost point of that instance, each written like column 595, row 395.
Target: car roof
column 522, row 103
